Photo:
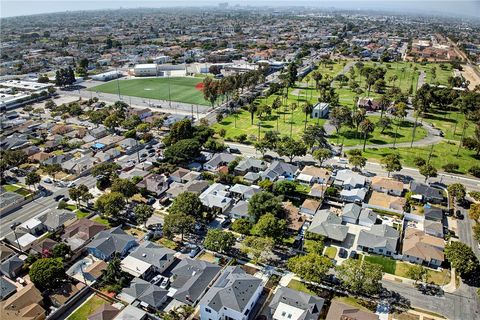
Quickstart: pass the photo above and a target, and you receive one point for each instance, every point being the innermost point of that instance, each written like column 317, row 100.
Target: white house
column 216, row 197
column 353, row 195
column 232, row 296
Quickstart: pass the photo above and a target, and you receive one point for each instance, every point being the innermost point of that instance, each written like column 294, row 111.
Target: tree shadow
column 225, row 123
column 377, row 141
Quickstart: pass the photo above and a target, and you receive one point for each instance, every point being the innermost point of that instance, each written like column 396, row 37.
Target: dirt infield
column 469, row 74
column 199, row 86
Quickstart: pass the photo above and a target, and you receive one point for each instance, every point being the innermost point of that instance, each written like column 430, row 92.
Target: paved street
column 39, row 206
column 460, row 305
column 469, row 183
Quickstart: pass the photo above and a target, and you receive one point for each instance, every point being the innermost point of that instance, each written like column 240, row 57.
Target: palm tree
column 252, row 108
column 366, row 126
column 275, row 106
column 307, row 109
column 400, row 112
column 357, row 117
column 293, row 107
column 383, row 102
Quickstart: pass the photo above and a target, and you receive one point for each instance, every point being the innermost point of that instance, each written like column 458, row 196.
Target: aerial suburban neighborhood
column 239, row 162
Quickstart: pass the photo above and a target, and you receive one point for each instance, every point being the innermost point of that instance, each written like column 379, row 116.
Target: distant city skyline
column 466, row 8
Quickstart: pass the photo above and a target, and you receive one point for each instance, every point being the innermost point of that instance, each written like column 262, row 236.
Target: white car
column 71, row 185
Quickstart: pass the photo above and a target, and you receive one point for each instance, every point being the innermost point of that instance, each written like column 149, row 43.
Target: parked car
column 164, row 283
column 194, row 252
column 47, row 180
column 353, row 255
column 342, row 253
column 234, row 150
column 71, row 185
column 58, row 197
column 151, row 201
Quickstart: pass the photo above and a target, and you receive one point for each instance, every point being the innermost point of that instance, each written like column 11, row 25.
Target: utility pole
column 430, row 154
column 395, row 137
column 118, row 87
column 465, row 125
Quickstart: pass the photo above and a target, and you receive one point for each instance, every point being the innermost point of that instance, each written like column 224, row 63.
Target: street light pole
column 13, row 227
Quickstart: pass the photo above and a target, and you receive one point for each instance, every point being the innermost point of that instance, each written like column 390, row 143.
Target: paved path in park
column 421, row 79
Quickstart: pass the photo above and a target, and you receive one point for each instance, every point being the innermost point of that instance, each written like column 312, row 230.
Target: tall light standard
column 118, row 86
column 13, row 227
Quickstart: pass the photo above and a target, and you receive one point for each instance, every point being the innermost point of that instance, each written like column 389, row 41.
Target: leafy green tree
column 417, row 273
column 75, row 195
column 113, row 277
column 284, row 187
column 419, row 162
column 13, row 158
column 391, row 163
column 315, row 135
column 311, row 267
column 178, row 223
column 270, row 227
column 340, row 116
column 291, row 148
column 188, row 203
column 322, row 154
column 474, row 211
column 219, row 240
column 180, row 130
column 105, row 169
column 242, row 226
column 142, row 213
column 259, row 249
column 124, row 186
column 367, row 127
column 32, row 178
column 61, row 250
column 476, row 232
column 85, row 194
column 262, row 203
column 182, row 151
column 47, row 273
column 360, row 276
column 461, row 257
column 384, row 123
column 315, row 246
column 357, row 161
column 457, row 191
column 428, row 171
column 110, row 204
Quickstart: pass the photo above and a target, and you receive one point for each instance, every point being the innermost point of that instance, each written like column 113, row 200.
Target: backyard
column 88, row 307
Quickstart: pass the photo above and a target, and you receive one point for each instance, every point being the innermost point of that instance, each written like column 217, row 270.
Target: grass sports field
column 182, row 89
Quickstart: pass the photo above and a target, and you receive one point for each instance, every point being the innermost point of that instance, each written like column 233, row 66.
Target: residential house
column 317, row 190
column 251, row 177
column 329, row 225
column 150, row 296
column 218, row 160
column 250, row 165
column 61, row 295
column 386, row 201
column 216, row 197
column 353, row 195
column 81, row 231
column 155, row 183
column 147, row 260
column 320, row 110
column 7, row 288
column 295, row 220
column 427, row 193
column 107, row 242
column 342, row 311
column 347, row 180
column 104, row 312
column 380, row 239
column 241, row 191
column 26, row 303
column 12, row 267
column 310, row 207
column 354, row 213
column 422, row 248
column 132, row 313
column 107, row 155
column 178, row 175
column 141, row 113
column 369, row 104
column 433, row 228
column 130, row 145
column 5, row 252
column 56, row 219
column 44, row 246
column 294, row 305
column 98, row 132
column 195, row 186
column 279, row 170
column 433, row 214
column 191, row 279
column 310, row 175
column 239, row 210
column 79, row 166
column 387, row 185
column 232, row 296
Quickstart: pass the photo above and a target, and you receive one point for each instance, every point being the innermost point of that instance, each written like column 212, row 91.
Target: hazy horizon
column 465, row 8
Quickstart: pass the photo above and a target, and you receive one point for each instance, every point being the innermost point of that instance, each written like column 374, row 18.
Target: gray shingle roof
column 279, row 168
column 329, row 225
column 312, row 305
column 6, row 289
column 379, row 236
column 110, row 241
column 146, row 292
column 152, row 253
column 11, row 265
column 352, row 210
column 192, row 277
column 220, row 158
column 249, row 163
column 233, row 289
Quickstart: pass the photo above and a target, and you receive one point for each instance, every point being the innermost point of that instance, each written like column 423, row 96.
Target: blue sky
column 469, row 8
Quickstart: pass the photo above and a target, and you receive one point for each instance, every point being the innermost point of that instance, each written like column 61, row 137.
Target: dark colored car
column 59, row 197
column 342, row 253
column 151, row 201
column 353, row 254
column 234, row 150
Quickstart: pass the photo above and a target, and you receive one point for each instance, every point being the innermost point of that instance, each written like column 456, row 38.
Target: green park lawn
column 437, row 277
column 349, row 137
column 450, row 122
column 90, row 306
column 180, row 89
column 330, row 252
column 388, row 264
column 443, row 153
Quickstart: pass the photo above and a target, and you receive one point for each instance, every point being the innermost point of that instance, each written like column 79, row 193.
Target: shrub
column 474, row 171
column 451, row 167
column 475, row 195
column 419, row 161
column 241, row 138
column 222, row 132
column 62, row 205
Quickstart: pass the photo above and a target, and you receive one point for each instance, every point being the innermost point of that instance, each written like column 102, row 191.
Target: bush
column 474, row 171
column 419, row 161
column 62, row 205
column 222, row 132
column 475, row 195
column 241, row 138
column 451, row 167
column 331, row 192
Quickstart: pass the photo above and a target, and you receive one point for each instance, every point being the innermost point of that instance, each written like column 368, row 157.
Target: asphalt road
column 373, row 167
column 39, row 206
